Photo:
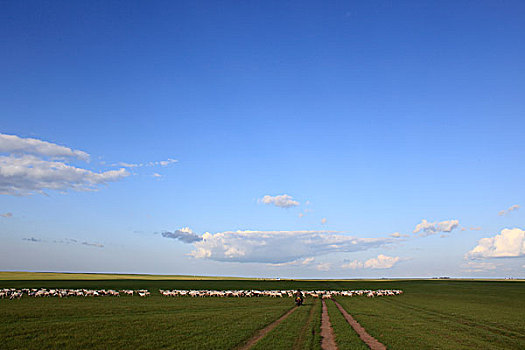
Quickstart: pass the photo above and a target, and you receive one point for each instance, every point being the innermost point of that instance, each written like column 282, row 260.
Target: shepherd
column 299, row 298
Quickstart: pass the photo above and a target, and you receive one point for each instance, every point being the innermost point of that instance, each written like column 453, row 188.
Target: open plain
column 430, row 314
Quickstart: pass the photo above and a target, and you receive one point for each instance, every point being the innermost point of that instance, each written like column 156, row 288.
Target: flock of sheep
column 13, row 293
column 325, row 294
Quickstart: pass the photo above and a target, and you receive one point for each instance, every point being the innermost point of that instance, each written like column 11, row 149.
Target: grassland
column 134, row 322
column 299, row 331
column 453, row 315
column 432, row 314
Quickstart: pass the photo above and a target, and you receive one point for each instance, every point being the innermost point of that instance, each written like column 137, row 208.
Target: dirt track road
column 327, row 333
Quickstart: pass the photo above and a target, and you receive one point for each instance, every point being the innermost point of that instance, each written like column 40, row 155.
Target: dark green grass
column 134, row 322
column 292, row 333
column 446, row 316
column 345, row 337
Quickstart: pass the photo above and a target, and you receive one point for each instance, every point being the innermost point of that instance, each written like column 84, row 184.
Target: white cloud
column 323, row 266
column 323, row 221
column 381, row 262
column 398, row 235
column 22, row 175
column 282, row 201
column 512, row 208
column 157, row 175
column 477, row 266
column 300, row 215
column 509, row 243
column 307, row 261
column 476, row 228
column 276, row 247
column 127, row 165
column 162, row 163
column 33, row 166
column 430, row 228
column 96, row 245
column 298, row 262
column 17, row 145
column 354, row 265
column 6, row 215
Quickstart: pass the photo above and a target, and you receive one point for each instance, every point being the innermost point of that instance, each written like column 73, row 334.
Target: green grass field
column 451, row 315
column 134, row 322
column 432, row 314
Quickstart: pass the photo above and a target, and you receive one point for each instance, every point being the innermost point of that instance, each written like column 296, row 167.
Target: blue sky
column 372, row 116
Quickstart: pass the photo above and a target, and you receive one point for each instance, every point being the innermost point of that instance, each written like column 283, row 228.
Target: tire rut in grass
column 327, row 333
column 372, row 342
column 260, row 334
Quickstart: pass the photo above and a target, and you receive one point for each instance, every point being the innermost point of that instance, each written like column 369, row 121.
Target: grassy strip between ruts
column 285, row 335
column 131, row 322
column 310, row 335
column 401, row 327
column 345, row 337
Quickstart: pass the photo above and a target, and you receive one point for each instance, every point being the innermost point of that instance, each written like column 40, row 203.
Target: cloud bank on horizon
column 277, row 247
column 299, row 248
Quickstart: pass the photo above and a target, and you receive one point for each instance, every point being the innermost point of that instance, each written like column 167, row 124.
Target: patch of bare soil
column 260, row 334
column 372, row 342
column 327, row 333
